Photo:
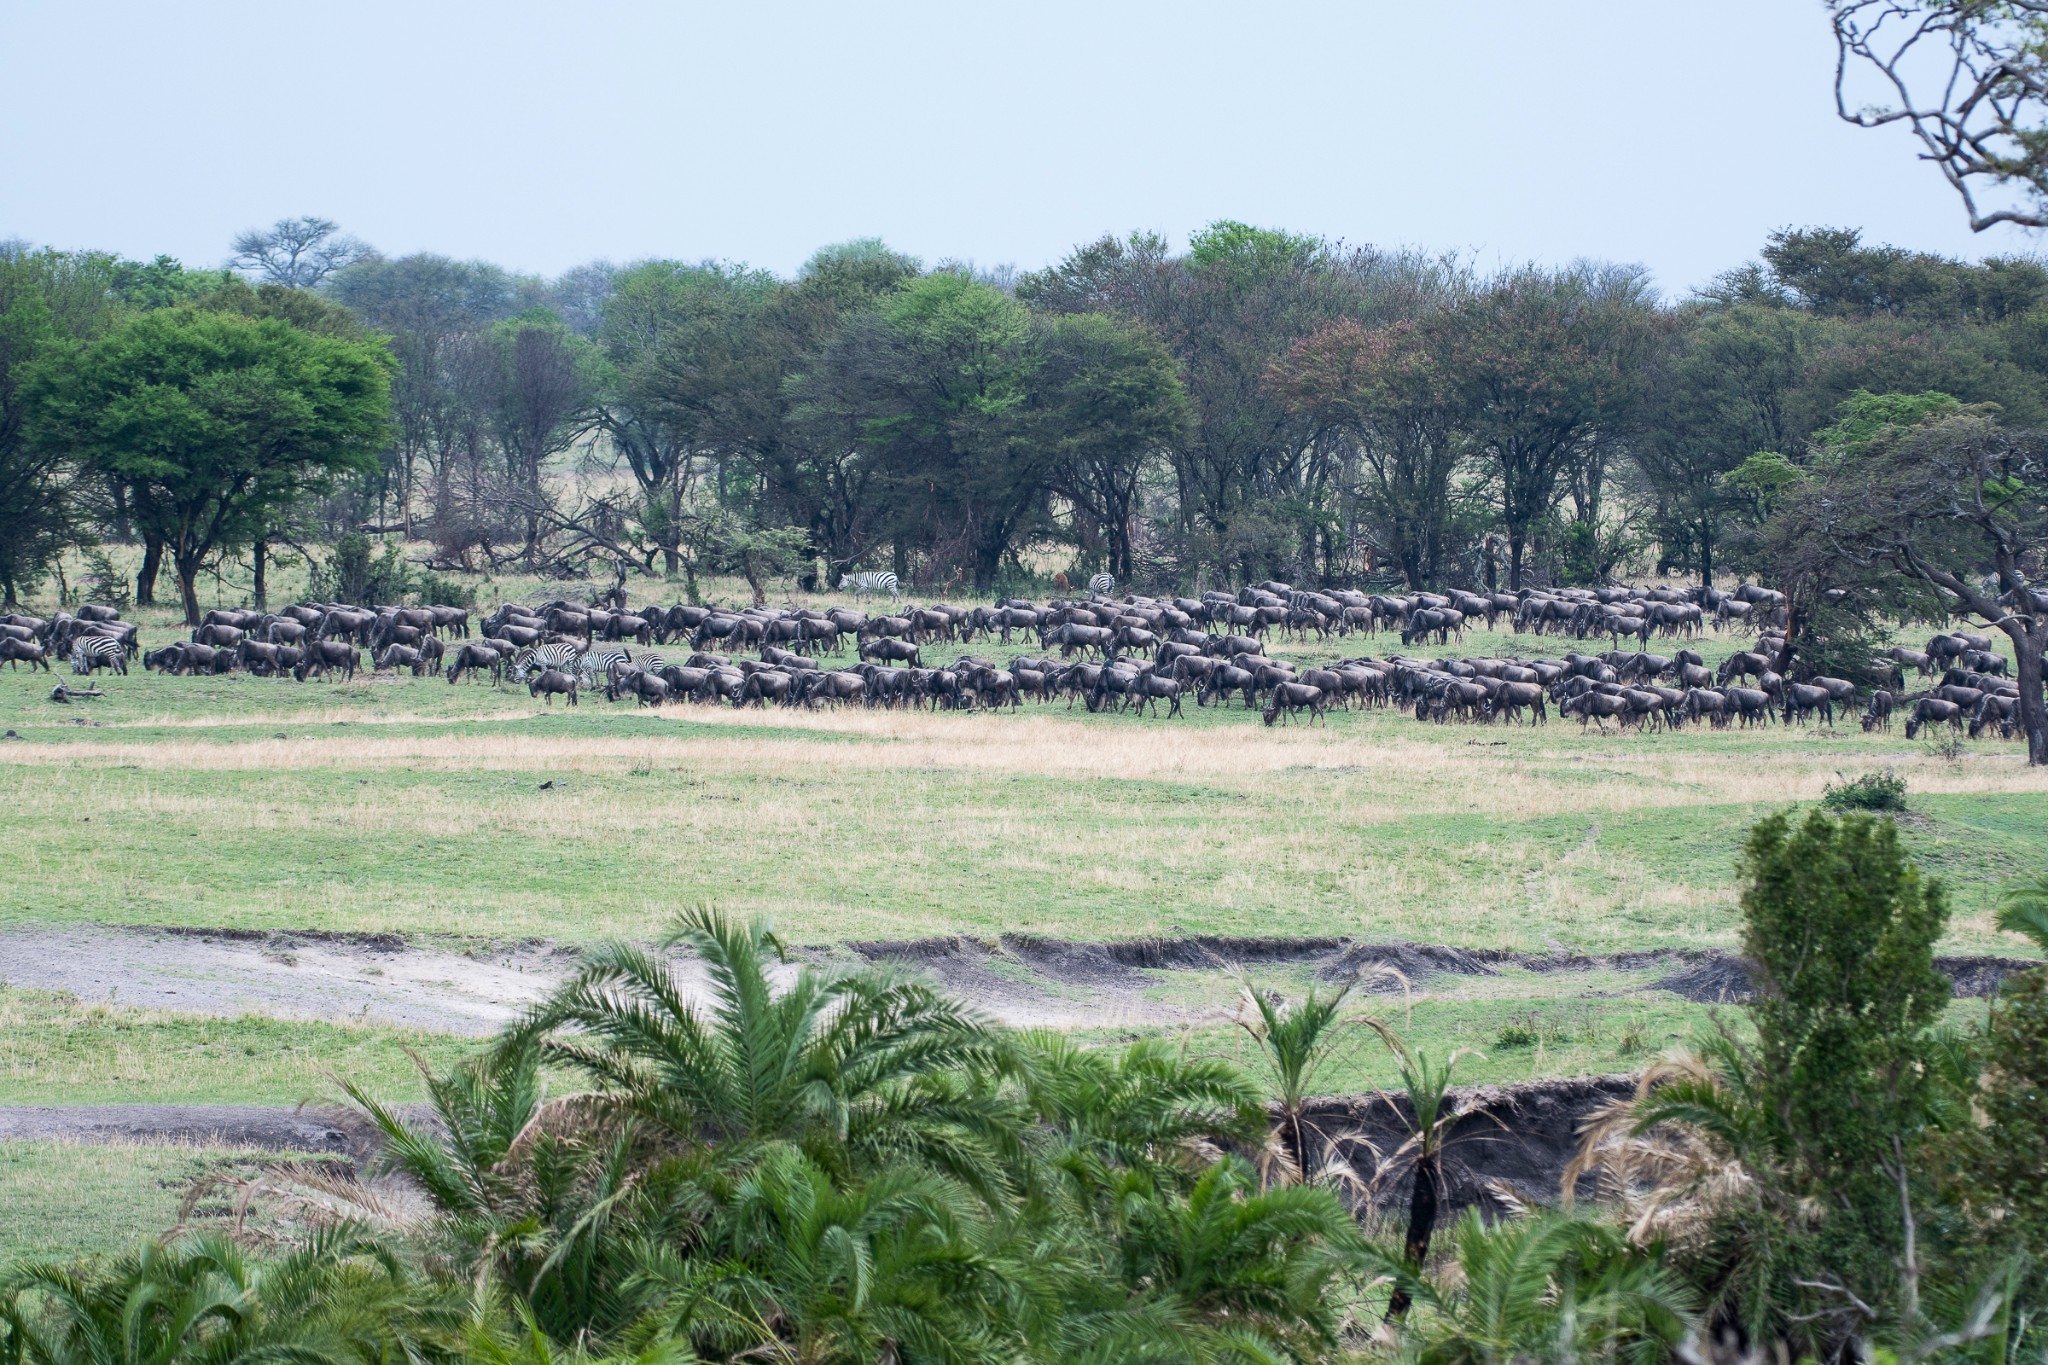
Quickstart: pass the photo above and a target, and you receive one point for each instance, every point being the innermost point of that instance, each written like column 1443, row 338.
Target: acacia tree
column 218, row 423
column 1720, row 395
column 1542, row 363
column 1969, row 78
column 934, row 390
column 297, row 253
column 1107, row 401
column 49, row 302
column 541, row 405
column 1955, row 503
column 680, row 345
column 1385, row 390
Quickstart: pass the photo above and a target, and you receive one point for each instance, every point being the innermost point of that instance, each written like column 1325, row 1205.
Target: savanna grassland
column 412, row 806
column 466, row 818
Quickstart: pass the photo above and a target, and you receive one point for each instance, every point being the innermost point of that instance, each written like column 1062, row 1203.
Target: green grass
column 56, row 1051
column 66, row 1200
column 414, row 806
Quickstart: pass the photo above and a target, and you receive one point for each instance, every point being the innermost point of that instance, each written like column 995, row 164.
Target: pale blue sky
column 541, row 135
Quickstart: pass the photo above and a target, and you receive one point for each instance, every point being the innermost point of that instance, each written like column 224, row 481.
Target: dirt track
column 1017, row 979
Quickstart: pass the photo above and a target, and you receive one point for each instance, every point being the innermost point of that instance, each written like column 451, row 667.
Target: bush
column 1518, row 1031
column 352, row 574
column 1873, row 791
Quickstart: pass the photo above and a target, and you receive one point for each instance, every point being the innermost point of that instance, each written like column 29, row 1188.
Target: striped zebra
column 1102, row 585
column 539, row 658
column 91, row 652
column 599, row 665
column 867, row 582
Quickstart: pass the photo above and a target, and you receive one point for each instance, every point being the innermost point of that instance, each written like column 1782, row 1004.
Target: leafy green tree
column 539, row 404
column 1842, row 931
column 1386, row 389
column 1911, row 491
column 684, row 354
column 1803, row 1195
column 1726, row 383
column 1544, row 365
column 217, row 423
column 933, row 388
column 50, row 302
column 1107, row 401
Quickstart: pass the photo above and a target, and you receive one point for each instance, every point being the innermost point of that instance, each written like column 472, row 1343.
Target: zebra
column 90, row 652
column 1102, row 585
column 539, row 658
column 866, row 582
column 600, row 665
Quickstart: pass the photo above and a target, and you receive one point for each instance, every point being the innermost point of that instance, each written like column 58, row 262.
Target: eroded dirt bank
column 474, row 989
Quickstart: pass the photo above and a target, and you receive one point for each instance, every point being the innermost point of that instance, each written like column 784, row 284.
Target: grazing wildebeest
column 1510, row 698
column 1933, row 711
column 1803, row 699
column 1291, row 698
column 893, row 650
column 477, row 657
column 318, row 656
column 16, row 652
column 551, row 683
column 1597, row 707
column 649, row 689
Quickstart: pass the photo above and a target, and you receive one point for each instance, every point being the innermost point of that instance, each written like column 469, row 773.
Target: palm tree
column 1149, row 1107
column 336, row 1300
column 1430, row 1117
column 2024, row 909
column 859, row 1069
column 1233, row 1270
column 1545, row 1287
column 1293, row 1044
column 907, row 1266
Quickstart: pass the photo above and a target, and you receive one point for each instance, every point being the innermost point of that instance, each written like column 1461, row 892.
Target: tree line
column 1263, row 404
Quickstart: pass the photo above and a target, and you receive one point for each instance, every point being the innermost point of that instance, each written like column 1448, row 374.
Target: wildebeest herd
column 1138, row 654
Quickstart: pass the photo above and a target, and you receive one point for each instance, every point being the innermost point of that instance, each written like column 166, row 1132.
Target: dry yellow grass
column 1535, row 775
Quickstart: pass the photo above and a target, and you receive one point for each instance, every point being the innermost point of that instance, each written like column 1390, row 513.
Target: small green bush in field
column 1873, row 791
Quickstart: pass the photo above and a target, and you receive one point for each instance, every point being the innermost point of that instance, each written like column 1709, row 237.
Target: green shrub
column 1873, row 791
column 1518, row 1031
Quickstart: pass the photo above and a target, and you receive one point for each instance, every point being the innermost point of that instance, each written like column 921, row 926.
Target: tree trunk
column 404, row 492
column 261, row 552
column 1421, row 1224
column 1706, row 558
column 152, row 564
column 188, row 586
column 1515, row 560
column 2033, row 710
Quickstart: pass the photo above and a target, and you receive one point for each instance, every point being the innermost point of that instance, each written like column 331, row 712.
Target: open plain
column 235, row 890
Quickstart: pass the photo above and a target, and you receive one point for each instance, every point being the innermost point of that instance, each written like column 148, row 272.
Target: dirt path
column 262, row 1128
column 369, row 978
column 1019, row 980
